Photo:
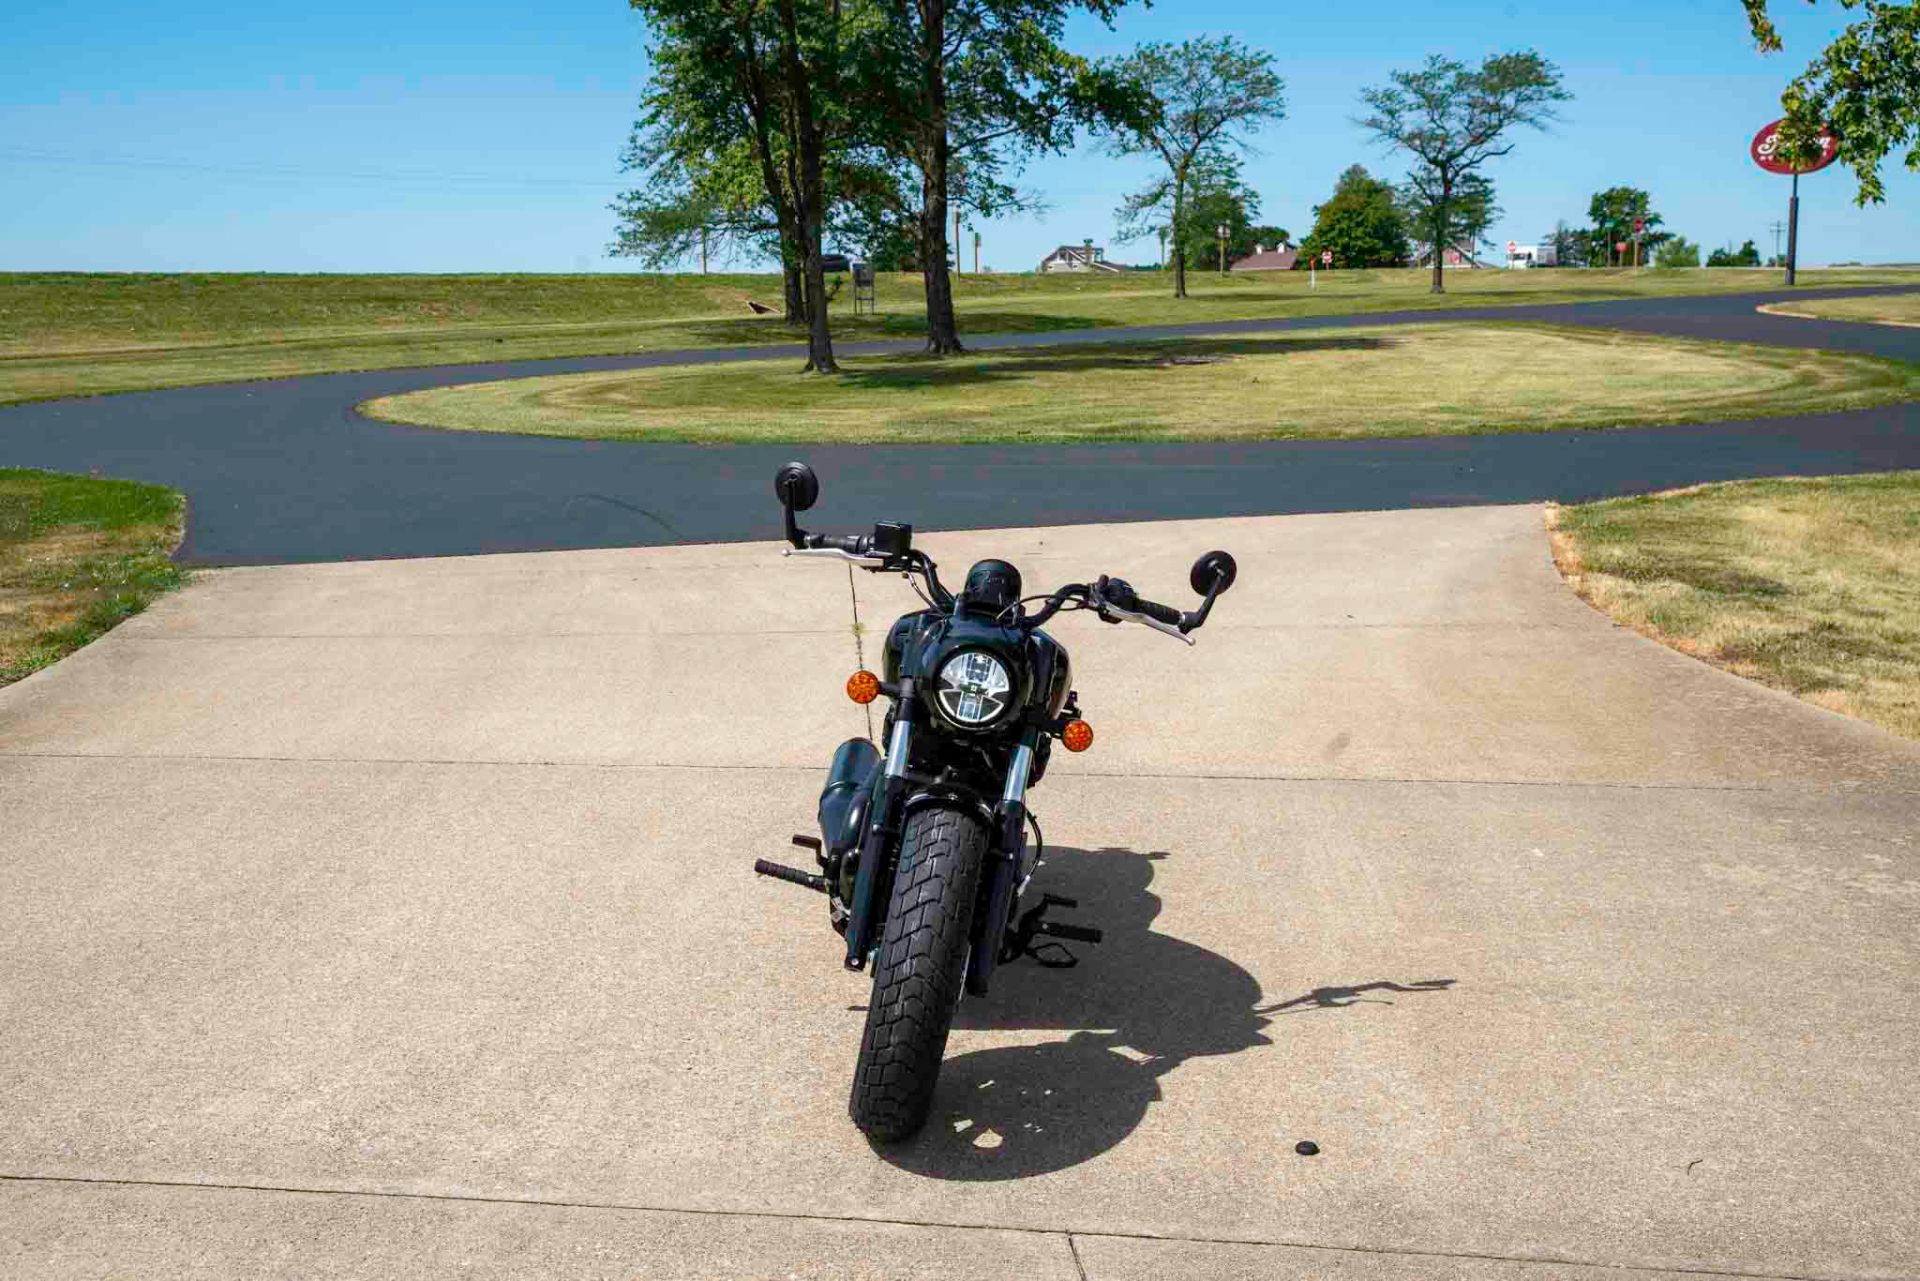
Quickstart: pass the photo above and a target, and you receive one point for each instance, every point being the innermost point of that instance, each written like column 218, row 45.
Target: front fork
column 1004, row 867
column 883, row 831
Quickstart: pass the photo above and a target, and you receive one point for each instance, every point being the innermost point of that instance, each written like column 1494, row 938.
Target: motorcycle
column 923, row 853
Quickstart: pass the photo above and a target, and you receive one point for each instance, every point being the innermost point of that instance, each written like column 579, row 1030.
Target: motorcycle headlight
column 974, row 689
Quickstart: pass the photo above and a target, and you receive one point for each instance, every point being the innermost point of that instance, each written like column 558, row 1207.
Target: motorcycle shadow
column 1138, row 1005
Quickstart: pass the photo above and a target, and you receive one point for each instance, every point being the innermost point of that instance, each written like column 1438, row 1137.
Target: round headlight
column 974, row 688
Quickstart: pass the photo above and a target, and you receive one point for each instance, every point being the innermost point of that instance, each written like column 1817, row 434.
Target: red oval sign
column 1766, row 148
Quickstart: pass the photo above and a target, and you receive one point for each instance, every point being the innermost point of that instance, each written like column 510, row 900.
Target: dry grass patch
column 1443, row 379
column 1883, row 309
column 78, row 554
column 1811, row 586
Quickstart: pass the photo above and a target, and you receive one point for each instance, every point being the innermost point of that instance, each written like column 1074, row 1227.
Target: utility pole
column 956, row 239
column 1221, row 232
column 1776, row 227
column 976, row 251
column 703, row 251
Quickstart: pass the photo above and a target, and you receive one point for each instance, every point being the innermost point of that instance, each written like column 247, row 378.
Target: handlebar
column 889, row 549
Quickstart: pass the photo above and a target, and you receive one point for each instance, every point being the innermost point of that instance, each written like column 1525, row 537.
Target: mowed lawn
column 77, row 334
column 1383, row 381
column 1811, row 586
column 78, row 554
column 1883, row 309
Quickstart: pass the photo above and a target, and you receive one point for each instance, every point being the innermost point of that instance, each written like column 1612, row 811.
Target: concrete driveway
column 395, row 919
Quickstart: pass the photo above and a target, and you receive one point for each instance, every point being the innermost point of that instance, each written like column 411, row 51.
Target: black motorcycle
column 923, row 852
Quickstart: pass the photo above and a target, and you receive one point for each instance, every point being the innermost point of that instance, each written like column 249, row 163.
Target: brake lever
column 1113, row 613
column 838, row 552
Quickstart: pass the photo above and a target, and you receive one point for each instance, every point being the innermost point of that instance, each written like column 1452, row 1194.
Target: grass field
column 77, row 555
column 71, row 334
column 1430, row 379
column 1886, row 309
column 1806, row 585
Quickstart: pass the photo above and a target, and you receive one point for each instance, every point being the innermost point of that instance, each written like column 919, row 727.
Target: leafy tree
column 1865, row 86
column 1677, row 251
column 1462, row 221
column 1362, row 223
column 1570, row 244
column 770, row 77
column 1217, row 198
column 1453, row 118
column 1613, row 213
column 1747, row 255
column 969, row 87
column 1205, row 94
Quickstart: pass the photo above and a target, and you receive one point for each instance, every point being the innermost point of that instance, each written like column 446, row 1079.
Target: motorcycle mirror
column 796, row 486
column 1214, row 565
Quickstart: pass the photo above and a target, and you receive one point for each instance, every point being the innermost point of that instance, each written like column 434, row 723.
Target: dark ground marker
column 1307, row 1147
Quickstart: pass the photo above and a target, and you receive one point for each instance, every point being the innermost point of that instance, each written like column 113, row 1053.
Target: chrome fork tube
column 897, row 749
column 1018, row 771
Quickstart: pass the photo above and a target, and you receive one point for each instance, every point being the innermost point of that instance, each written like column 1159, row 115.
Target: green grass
column 78, row 555
column 1885, row 309
column 1385, row 381
column 1806, row 585
column 73, row 334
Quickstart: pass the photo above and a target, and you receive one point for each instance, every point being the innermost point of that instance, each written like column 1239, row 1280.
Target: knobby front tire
column 918, row 976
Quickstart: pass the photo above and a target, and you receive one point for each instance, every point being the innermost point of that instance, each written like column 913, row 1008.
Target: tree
column 1865, row 86
column 1570, row 244
column 968, row 86
column 1361, row 223
column 1678, row 251
column 771, row 77
column 1614, row 214
column 1464, row 219
column 1216, row 198
column 707, row 151
column 1206, row 93
column 1747, row 255
column 1453, row 118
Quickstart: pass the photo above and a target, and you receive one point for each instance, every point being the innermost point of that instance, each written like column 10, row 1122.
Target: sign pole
column 1793, row 230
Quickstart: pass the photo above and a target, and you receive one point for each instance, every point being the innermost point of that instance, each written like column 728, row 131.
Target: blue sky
column 485, row 136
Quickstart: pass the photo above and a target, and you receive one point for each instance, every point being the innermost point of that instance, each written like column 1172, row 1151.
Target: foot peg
column 791, row 875
column 1033, row 923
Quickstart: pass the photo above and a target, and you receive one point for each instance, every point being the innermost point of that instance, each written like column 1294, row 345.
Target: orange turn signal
column 863, row 686
column 1077, row 736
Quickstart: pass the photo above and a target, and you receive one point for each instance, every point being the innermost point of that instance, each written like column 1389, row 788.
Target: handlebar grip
column 1157, row 612
column 852, row 544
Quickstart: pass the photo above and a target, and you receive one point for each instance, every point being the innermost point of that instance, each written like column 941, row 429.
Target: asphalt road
column 286, row 471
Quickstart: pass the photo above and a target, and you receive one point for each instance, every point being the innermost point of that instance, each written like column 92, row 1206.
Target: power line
column 264, row 169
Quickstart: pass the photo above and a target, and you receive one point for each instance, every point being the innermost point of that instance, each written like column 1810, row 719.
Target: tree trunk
column 807, row 137
column 1179, row 226
column 796, row 299
column 943, row 328
column 1440, row 235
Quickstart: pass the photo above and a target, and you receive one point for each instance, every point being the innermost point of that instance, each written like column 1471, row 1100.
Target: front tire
column 918, row 976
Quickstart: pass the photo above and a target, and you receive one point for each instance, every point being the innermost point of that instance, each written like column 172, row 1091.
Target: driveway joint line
column 1650, row 785
column 1073, row 1249
column 186, row 1185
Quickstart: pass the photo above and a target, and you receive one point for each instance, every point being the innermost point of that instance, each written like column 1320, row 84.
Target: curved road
column 285, row 470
